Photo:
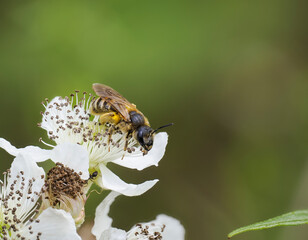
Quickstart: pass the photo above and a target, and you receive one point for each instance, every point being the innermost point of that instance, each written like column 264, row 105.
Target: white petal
column 102, row 221
column 113, row 234
column 111, row 181
column 55, row 224
column 152, row 158
column 73, row 156
column 30, row 171
column 173, row 230
column 36, row 153
column 8, row 147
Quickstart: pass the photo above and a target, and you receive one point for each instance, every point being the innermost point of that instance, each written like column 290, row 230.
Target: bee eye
column 140, row 138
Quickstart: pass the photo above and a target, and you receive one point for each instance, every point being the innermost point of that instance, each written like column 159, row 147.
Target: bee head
column 144, row 136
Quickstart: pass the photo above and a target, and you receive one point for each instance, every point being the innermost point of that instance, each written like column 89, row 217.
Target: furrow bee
column 114, row 109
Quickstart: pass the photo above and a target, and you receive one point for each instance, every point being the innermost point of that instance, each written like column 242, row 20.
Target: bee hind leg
column 110, row 117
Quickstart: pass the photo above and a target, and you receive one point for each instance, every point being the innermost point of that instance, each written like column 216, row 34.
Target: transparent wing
column 121, row 104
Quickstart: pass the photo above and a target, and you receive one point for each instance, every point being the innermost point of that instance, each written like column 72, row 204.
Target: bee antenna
column 168, row 125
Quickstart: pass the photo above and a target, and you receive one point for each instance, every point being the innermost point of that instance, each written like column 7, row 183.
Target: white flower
column 163, row 227
column 67, row 183
column 19, row 194
column 69, row 120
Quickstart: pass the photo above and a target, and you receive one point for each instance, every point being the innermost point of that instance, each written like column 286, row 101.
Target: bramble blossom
column 66, row 184
column 68, row 120
column 19, row 208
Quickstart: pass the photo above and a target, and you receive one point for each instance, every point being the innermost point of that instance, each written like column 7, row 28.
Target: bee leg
column 110, row 132
column 127, row 138
column 126, row 143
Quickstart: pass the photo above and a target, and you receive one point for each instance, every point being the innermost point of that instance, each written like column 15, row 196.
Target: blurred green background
column 231, row 75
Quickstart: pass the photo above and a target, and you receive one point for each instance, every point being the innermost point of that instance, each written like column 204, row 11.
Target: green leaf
column 288, row 219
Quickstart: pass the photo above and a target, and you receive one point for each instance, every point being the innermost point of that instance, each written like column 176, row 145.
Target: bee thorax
column 136, row 119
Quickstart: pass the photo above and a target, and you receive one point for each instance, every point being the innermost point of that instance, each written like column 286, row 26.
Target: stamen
column 47, row 144
column 150, row 231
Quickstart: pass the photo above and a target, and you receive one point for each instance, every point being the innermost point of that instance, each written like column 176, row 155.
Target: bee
column 114, row 109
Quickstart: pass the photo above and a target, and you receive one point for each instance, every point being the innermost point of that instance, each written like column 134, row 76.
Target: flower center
column 64, row 189
column 63, row 181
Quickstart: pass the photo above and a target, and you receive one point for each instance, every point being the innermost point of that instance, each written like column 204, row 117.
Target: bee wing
column 114, row 98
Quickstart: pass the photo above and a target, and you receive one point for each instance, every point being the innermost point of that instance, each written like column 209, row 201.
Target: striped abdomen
column 100, row 105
